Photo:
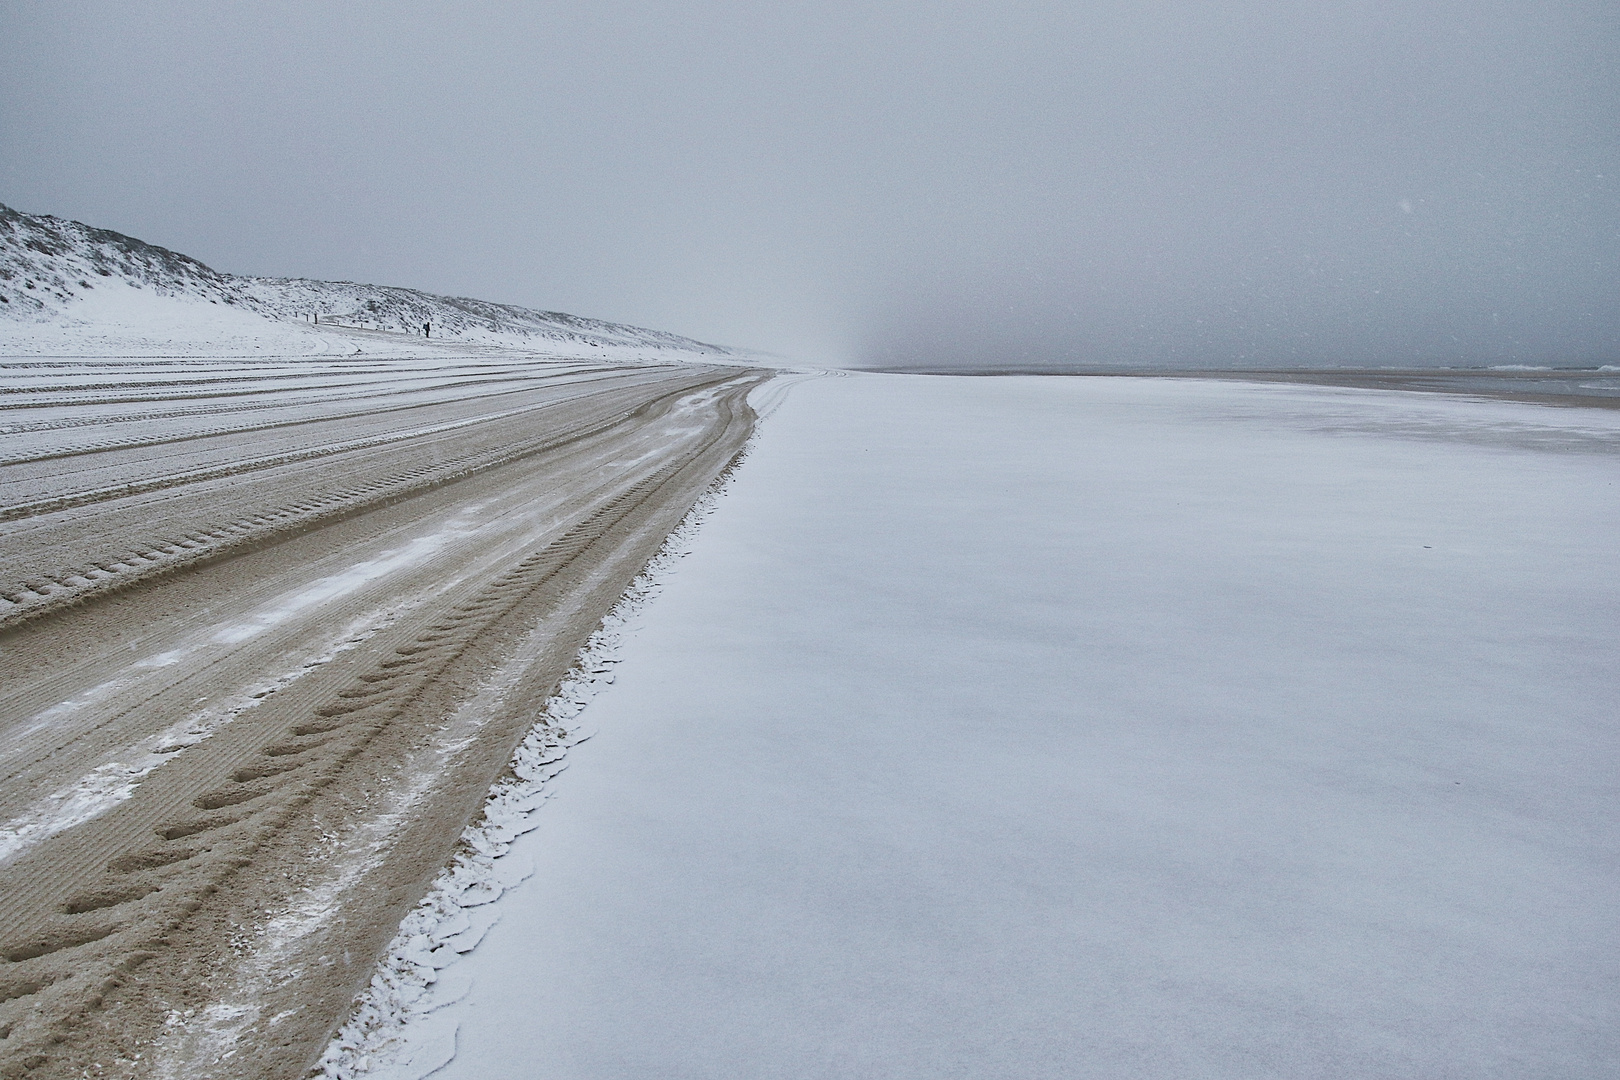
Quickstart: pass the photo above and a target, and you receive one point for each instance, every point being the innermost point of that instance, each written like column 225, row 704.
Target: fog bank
column 1234, row 183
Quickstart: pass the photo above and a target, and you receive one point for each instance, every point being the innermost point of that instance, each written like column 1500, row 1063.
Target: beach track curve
column 269, row 630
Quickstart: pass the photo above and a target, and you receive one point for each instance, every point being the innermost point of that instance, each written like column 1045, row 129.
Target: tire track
column 137, row 443
column 102, row 927
column 310, row 753
column 23, row 600
column 70, row 500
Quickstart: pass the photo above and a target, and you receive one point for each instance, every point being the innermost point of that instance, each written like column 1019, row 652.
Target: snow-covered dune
column 72, row 289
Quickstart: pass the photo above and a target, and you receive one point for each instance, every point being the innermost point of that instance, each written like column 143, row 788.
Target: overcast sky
column 1225, row 182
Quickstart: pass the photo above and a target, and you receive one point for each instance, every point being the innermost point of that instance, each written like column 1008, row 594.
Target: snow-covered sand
column 1029, row 727
column 292, row 613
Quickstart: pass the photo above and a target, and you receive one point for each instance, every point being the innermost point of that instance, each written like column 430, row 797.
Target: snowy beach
column 277, row 602
column 1040, row 727
column 837, row 541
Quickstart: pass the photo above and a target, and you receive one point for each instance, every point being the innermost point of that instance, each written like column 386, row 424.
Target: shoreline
column 1541, row 387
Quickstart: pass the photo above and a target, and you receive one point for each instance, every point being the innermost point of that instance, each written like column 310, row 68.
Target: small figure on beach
column 427, row 329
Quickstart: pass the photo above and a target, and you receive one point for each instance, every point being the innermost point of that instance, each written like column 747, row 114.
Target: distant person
column 427, row 329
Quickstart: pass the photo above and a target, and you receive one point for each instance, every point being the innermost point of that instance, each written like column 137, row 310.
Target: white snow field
column 1084, row 727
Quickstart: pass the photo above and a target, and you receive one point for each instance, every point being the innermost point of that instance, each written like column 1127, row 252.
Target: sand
column 268, row 630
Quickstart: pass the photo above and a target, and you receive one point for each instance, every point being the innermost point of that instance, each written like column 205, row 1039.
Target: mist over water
column 972, row 183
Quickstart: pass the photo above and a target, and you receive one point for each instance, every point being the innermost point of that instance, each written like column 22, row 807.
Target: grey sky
column 1222, row 182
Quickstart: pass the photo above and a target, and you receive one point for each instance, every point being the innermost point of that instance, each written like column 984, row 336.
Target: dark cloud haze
column 1222, row 183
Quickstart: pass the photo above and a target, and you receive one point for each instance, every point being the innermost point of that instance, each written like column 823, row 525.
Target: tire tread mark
column 59, row 592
